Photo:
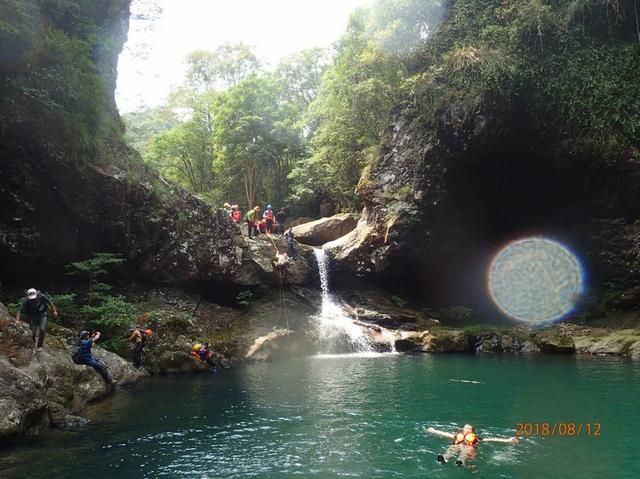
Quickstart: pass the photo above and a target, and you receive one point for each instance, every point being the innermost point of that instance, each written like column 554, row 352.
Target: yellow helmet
column 196, row 347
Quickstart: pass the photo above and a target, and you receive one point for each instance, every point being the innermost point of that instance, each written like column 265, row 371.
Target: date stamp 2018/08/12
column 564, row 429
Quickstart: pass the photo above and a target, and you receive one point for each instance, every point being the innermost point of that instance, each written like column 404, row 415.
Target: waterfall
column 336, row 331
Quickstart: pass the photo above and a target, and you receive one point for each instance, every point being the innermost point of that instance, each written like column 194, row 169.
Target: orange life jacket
column 469, row 439
column 268, row 215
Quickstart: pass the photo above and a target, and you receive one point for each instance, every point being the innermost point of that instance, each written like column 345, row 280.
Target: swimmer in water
column 464, row 444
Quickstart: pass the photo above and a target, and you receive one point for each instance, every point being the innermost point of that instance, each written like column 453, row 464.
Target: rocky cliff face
column 60, row 201
column 441, row 202
column 500, row 137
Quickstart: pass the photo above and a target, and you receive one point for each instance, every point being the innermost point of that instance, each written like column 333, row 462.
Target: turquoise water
column 354, row 417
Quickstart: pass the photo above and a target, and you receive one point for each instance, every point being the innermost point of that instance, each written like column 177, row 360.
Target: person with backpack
column 236, row 214
column 139, row 338
column 34, row 310
column 252, row 221
column 85, row 356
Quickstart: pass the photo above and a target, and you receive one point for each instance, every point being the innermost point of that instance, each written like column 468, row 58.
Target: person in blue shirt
column 86, row 357
column 34, row 310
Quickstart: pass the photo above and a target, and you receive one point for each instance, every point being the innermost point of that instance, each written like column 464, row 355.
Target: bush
column 112, row 317
column 245, row 298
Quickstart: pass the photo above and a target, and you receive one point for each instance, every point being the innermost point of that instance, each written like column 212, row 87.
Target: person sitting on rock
column 34, row 311
column 86, row 357
column 208, row 357
column 139, row 338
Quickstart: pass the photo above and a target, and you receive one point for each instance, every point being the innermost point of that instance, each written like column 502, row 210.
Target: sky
column 153, row 57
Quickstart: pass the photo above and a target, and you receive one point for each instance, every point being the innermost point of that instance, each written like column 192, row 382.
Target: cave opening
column 497, row 192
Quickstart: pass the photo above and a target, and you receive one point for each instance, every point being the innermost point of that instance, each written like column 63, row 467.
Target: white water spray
column 336, row 331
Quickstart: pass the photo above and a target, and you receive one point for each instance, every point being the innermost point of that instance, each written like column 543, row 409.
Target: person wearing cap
column 86, row 356
column 34, row 310
column 252, row 220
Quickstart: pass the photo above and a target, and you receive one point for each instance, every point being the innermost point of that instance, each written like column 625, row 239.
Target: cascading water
column 336, row 331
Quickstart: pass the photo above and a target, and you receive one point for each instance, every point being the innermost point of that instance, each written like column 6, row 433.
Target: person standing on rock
column 86, row 357
column 139, row 339
column 252, row 220
column 292, row 251
column 34, row 310
column 269, row 218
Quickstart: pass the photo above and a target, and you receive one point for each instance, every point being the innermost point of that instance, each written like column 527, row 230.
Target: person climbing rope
column 86, row 357
column 34, row 310
column 252, row 218
column 269, row 218
column 464, row 444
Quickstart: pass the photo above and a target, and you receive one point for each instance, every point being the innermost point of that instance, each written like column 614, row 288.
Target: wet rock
column 552, row 341
column 434, row 341
column 46, row 387
column 324, row 230
column 180, row 362
column 74, row 423
column 280, row 344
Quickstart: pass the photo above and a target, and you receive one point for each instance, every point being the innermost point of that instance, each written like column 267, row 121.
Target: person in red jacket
column 269, row 218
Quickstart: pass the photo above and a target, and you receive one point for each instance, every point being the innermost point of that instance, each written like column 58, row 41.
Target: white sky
column 153, row 58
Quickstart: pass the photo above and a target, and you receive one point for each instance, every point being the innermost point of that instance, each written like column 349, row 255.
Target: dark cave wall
column 485, row 178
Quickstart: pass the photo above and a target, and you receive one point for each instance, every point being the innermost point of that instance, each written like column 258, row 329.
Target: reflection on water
column 351, row 416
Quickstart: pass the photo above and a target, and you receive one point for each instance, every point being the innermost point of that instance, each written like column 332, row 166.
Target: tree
column 225, row 67
column 93, row 268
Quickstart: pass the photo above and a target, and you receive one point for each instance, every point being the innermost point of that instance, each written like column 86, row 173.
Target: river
column 355, row 416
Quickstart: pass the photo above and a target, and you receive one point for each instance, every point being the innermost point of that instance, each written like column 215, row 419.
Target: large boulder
column 319, row 232
column 280, row 344
column 47, row 388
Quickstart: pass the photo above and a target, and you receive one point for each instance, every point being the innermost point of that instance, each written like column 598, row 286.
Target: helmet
column 149, row 332
column 196, row 347
column 84, row 334
column 257, row 208
column 268, row 207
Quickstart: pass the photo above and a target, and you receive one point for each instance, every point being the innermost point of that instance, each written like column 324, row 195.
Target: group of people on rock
column 34, row 310
column 268, row 222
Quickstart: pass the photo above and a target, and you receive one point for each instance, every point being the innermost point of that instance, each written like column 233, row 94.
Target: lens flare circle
column 535, row 280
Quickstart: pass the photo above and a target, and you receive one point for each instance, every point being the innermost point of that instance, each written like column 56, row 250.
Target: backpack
column 75, row 354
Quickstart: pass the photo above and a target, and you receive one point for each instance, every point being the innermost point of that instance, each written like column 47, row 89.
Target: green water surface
column 352, row 416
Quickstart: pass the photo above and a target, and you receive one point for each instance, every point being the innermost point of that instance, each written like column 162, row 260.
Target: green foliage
column 143, row 125
column 398, row 301
column 50, row 79
column 93, row 268
column 228, row 65
column 573, row 64
column 111, row 316
column 450, row 315
column 245, row 298
column 358, row 91
column 171, row 321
